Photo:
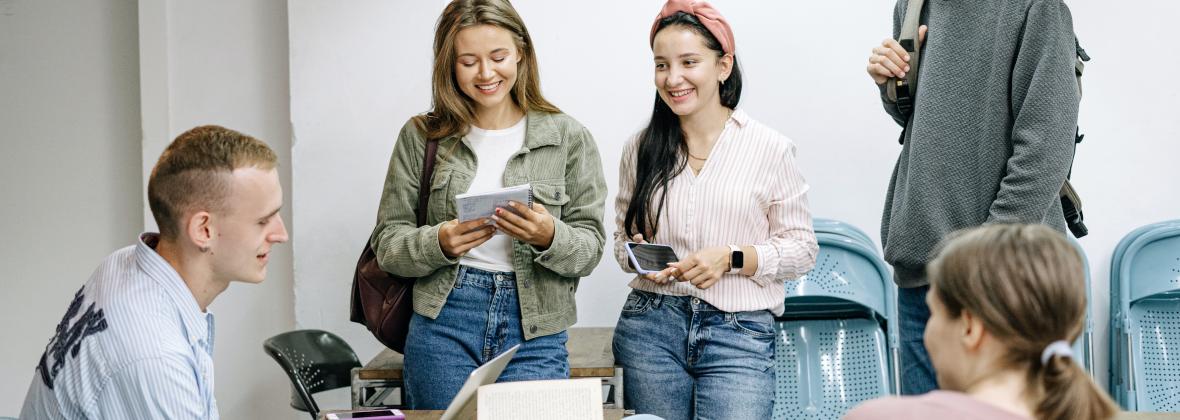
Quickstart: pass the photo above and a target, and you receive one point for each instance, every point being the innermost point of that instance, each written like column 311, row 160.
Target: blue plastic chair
column 1145, row 319
column 823, row 225
column 1084, row 345
column 837, row 342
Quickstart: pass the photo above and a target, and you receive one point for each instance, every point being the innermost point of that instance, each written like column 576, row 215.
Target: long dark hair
column 662, row 153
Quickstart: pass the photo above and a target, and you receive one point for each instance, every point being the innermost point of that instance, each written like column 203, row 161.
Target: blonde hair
column 1027, row 285
column 193, row 173
column 453, row 112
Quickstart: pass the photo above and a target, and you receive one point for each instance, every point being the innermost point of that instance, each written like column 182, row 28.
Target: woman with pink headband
column 696, row 340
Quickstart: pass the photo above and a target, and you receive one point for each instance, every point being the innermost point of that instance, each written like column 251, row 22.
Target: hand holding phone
column 650, row 258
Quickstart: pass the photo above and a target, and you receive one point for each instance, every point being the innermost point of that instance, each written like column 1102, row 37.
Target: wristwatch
column 736, row 259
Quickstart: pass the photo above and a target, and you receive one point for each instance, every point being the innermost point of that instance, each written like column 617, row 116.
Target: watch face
column 736, row 259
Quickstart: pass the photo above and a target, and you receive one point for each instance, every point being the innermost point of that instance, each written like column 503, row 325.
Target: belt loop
column 462, row 271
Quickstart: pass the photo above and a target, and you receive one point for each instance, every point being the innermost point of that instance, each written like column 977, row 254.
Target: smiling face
column 486, row 59
column 688, row 74
column 250, row 225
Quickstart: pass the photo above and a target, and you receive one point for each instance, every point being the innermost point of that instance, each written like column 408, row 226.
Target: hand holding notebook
column 471, row 206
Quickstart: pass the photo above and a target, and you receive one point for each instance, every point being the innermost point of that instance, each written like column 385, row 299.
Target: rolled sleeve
column 792, row 248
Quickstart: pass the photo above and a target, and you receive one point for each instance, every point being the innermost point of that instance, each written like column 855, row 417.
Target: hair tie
column 709, row 17
column 1056, row 348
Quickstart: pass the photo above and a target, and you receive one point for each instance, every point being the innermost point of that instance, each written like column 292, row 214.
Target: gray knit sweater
column 993, row 127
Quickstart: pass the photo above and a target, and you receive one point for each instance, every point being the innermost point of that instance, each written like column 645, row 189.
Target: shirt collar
column 198, row 325
column 739, row 116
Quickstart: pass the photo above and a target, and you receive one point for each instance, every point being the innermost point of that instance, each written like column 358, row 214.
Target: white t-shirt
column 493, row 149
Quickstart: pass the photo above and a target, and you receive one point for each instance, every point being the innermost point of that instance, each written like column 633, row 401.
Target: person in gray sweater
column 990, row 138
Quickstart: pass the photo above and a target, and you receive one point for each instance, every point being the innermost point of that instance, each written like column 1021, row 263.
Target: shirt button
column 545, row 258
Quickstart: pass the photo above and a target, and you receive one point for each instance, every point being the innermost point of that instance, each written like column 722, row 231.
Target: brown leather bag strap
column 428, row 159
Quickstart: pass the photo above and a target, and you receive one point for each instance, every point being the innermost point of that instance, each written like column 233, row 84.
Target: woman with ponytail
column 1005, row 301
column 696, row 339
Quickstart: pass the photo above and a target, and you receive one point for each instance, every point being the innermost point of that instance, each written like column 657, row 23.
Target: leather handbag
column 381, row 301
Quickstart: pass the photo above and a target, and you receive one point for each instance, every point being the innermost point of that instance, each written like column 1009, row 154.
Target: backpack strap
column 901, row 92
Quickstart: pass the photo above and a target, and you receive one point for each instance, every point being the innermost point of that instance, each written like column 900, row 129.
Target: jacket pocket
column 552, row 195
column 440, row 203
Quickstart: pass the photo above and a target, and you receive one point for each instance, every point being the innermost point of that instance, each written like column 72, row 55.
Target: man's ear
column 971, row 331
column 200, row 230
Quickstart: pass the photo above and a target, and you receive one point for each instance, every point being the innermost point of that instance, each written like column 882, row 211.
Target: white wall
column 70, row 188
column 75, row 156
column 224, row 62
column 360, row 69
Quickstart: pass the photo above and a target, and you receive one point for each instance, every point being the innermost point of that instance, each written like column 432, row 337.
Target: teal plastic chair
column 1145, row 319
column 1083, row 347
column 315, row 361
column 836, row 343
column 833, row 226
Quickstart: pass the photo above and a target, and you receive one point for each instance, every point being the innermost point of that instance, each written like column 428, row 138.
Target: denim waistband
column 687, row 302
column 471, row 276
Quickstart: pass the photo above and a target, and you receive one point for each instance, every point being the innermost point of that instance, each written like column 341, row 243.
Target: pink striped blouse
column 749, row 192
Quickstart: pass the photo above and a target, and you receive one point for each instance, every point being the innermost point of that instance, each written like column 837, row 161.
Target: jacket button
column 533, row 329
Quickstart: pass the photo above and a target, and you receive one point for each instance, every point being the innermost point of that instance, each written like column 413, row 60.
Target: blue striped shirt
column 133, row 344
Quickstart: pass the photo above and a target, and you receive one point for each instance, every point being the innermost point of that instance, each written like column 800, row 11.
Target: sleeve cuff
column 560, row 250
column 430, row 248
column 768, row 261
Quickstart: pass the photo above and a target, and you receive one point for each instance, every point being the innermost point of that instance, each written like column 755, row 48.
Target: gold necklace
column 697, row 158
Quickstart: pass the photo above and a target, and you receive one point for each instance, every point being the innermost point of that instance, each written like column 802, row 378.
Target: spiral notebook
column 471, row 206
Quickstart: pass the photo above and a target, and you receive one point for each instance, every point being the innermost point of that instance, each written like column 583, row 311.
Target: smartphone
column 650, row 258
column 371, row 415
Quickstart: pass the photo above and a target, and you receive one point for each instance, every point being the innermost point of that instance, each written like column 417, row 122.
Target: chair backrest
column 845, row 270
column 822, row 225
column 837, row 342
column 315, row 361
column 1145, row 318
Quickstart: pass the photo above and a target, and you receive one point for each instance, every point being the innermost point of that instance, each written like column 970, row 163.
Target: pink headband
column 704, row 12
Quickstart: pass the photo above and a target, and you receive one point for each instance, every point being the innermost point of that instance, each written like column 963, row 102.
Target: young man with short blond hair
column 136, row 342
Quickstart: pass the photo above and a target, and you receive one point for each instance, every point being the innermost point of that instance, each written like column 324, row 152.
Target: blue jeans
column 917, row 374
column 480, row 320
column 682, row 358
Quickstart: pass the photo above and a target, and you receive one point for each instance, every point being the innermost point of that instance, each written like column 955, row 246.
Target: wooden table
column 590, row 356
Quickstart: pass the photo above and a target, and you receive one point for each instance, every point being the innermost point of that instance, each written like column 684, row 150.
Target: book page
column 567, row 399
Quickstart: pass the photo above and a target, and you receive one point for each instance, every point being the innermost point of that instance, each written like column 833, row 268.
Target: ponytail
column 1068, row 393
column 1027, row 284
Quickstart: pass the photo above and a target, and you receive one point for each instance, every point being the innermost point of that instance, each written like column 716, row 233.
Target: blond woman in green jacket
column 488, row 284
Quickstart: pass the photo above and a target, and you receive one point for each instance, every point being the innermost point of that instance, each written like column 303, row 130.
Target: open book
column 473, row 206
column 566, row 399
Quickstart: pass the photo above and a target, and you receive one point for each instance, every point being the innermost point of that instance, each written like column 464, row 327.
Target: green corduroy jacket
column 559, row 158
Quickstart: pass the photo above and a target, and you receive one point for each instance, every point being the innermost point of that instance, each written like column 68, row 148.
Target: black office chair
column 315, row 360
